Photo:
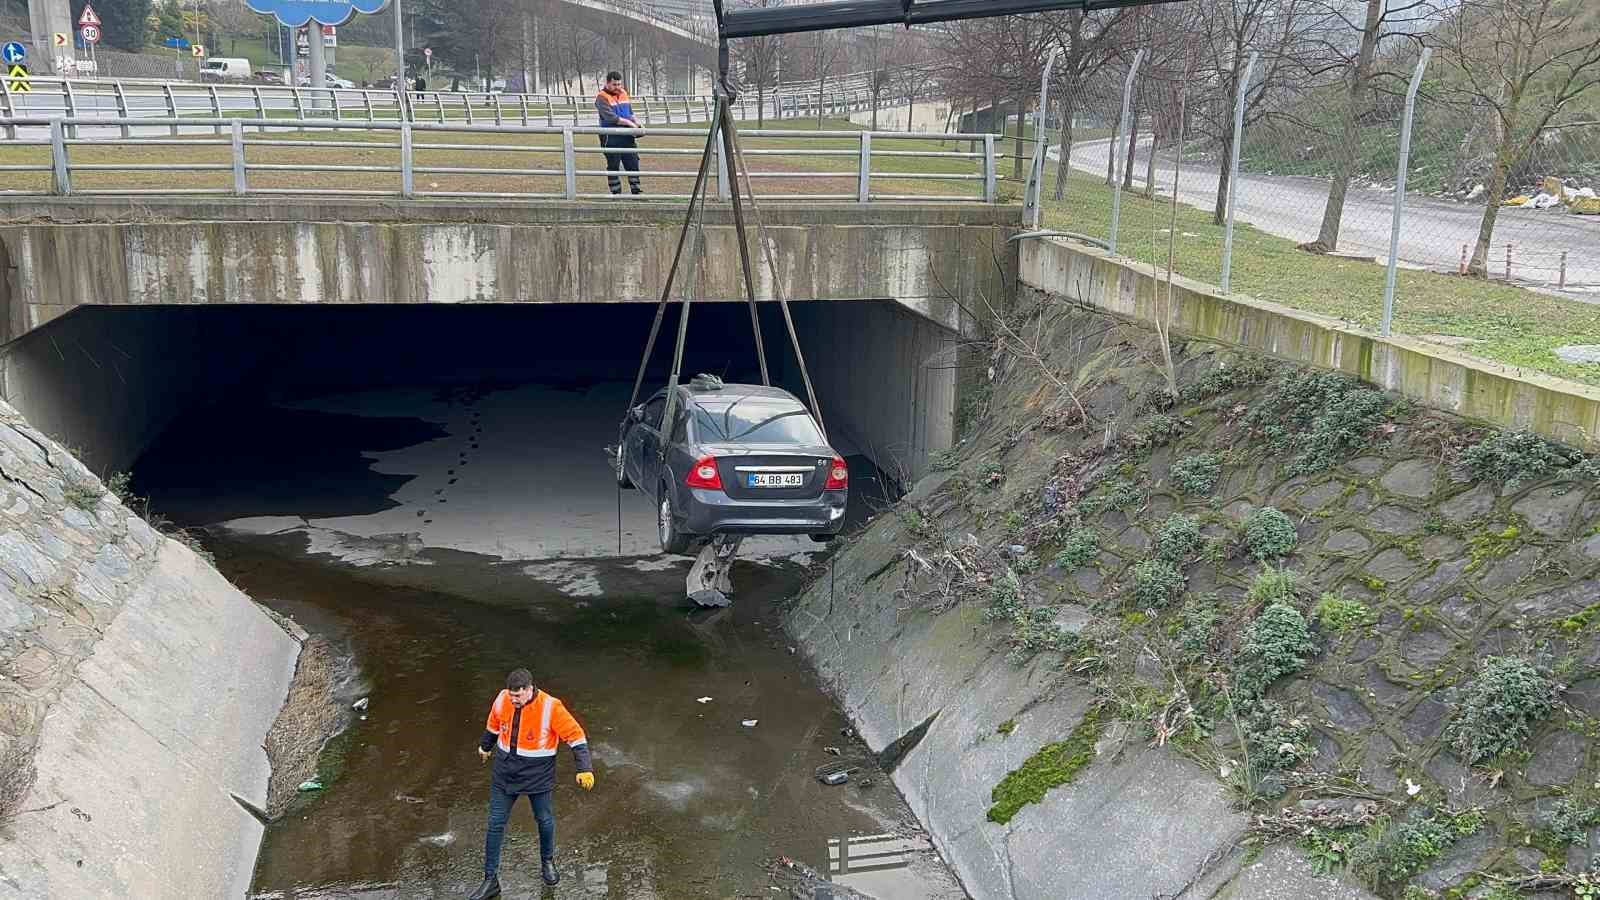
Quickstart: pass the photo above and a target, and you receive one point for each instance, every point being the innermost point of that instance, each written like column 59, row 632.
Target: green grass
column 1513, row 326
column 1054, row 765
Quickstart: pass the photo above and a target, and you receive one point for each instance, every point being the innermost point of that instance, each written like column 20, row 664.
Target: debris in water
column 833, row 750
column 311, row 785
column 439, row 840
column 361, row 704
column 750, row 723
column 407, row 798
column 836, row 777
column 702, row 700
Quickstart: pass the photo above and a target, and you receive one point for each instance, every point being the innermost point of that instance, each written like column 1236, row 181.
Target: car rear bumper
column 714, row 512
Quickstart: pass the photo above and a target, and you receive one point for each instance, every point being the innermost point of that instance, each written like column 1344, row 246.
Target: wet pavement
column 689, row 800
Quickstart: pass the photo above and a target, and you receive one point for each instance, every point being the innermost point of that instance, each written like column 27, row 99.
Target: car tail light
column 704, row 474
column 838, row 476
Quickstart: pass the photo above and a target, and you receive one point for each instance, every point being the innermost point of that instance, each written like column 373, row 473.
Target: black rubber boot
column 489, row 888
column 548, row 869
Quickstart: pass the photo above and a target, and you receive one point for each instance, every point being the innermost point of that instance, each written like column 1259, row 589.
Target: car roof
column 731, row 392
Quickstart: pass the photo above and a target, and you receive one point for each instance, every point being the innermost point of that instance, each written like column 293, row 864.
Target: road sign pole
column 400, row 61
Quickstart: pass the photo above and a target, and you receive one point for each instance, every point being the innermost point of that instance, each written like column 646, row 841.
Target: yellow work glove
column 483, row 755
column 586, row 780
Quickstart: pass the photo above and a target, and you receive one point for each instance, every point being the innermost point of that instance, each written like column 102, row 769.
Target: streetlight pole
column 400, row 61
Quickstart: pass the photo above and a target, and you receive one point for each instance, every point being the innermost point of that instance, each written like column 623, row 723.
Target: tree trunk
column 911, row 95
column 1497, row 192
column 1345, row 155
column 761, row 106
column 1063, row 162
column 821, row 93
column 1016, row 157
column 1150, row 158
column 875, row 91
column 1219, row 214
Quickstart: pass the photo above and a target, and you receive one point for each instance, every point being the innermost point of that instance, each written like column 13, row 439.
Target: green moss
column 1492, row 545
column 1374, row 584
column 1054, row 765
column 1006, row 727
column 1339, row 614
column 1577, row 622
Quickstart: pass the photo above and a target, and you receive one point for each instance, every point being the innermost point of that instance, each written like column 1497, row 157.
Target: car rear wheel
column 672, row 540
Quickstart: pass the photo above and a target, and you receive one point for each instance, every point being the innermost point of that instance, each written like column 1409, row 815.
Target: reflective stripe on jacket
column 613, row 108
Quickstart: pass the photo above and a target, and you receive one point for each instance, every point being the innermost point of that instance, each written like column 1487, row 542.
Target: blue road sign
column 13, row 52
column 295, row 13
column 177, row 43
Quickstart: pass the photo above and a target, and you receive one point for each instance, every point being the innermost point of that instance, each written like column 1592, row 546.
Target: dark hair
column 519, row 679
column 613, row 75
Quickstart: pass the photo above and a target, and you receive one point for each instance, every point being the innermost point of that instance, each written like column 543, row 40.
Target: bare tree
column 824, row 50
column 1004, row 59
column 1523, row 62
column 1088, row 42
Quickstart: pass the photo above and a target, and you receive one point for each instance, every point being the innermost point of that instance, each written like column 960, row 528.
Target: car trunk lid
column 736, row 463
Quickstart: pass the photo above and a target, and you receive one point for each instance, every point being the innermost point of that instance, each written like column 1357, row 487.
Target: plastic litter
column 836, row 777
column 750, row 723
column 833, row 750
column 312, row 785
column 361, row 704
column 439, row 840
column 702, row 700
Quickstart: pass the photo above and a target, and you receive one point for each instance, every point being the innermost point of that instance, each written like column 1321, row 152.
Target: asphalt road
column 1432, row 233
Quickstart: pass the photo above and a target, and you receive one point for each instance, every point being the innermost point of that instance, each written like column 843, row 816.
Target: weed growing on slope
column 1156, row 582
column 1198, row 626
column 82, row 495
column 1079, row 548
column 1275, row 586
column 1005, row 598
column 1276, row 743
column 1243, row 373
column 1178, row 538
column 1318, row 417
column 1153, row 432
column 1119, row 493
column 1393, row 852
column 1512, row 458
column 1269, row 534
column 1054, row 765
column 1501, row 705
column 1034, row 631
column 1339, row 614
column 1198, row 474
column 1276, row 644
column 1570, row 820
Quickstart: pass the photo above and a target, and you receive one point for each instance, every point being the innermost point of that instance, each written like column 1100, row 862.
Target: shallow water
column 689, row 801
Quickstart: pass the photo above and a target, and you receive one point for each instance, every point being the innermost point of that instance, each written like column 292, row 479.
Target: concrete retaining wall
column 71, row 252
column 1437, row 376
column 138, row 685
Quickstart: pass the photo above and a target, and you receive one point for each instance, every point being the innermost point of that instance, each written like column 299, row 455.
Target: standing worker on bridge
column 617, row 112
column 524, row 729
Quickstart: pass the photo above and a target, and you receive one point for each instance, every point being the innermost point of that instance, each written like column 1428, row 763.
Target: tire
column 823, row 538
column 672, row 540
column 622, row 469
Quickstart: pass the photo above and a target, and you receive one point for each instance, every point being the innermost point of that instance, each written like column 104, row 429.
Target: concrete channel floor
column 518, row 567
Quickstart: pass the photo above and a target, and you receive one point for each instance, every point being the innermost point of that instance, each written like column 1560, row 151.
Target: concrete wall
column 886, row 380
column 106, row 382
column 139, row 688
column 68, row 252
column 1437, row 376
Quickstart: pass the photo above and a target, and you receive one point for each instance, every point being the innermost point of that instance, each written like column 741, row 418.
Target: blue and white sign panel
column 13, row 52
column 295, row 13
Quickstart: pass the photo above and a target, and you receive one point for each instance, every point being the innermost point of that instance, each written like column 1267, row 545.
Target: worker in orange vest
column 524, row 729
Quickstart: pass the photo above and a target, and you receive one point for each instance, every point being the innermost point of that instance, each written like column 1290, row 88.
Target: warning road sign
column 197, row 50
column 17, row 79
column 91, row 33
column 62, row 39
column 87, row 17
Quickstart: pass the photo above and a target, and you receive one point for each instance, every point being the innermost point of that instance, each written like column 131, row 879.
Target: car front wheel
column 672, row 540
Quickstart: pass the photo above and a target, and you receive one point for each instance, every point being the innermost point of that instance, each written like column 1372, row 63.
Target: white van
column 225, row 69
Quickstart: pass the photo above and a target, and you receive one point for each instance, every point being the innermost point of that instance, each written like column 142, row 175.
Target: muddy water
column 689, row 801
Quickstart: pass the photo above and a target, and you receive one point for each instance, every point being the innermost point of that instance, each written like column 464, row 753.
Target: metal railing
column 80, row 99
column 255, row 156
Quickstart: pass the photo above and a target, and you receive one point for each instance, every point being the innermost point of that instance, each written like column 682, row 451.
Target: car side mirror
column 636, row 414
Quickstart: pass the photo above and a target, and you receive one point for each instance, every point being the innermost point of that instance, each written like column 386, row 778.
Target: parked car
column 330, row 80
column 269, row 76
column 219, row 68
column 739, row 459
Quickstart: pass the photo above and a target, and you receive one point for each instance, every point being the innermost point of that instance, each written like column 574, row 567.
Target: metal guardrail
column 555, row 152
column 79, row 99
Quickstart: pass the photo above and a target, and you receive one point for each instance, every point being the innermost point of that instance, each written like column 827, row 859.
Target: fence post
column 216, row 108
column 11, row 110
column 71, row 102
column 261, row 108
column 238, row 158
column 366, row 103
column 58, row 157
column 1041, row 143
column 1233, row 172
column 989, row 167
column 299, row 106
column 1116, row 143
column 497, row 111
column 1400, row 192
column 569, row 162
column 122, row 108
column 864, row 169
column 524, row 109
column 549, row 111
column 407, row 172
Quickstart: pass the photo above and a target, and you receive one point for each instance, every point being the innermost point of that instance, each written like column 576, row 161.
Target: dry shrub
column 310, row 716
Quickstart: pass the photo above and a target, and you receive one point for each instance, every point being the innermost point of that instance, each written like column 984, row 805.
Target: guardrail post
column 70, row 102
column 11, row 110
column 58, row 157
column 366, row 103
column 989, row 193
column 338, row 108
column 261, row 108
column 407, row 173
column 497, row 111
column 238, row 158
column 569, row 163
column 122, row 107
column 549, row 111
column 466, row 105
column 705, row 107
column 438, row 101
column 299, row 104
column 1400, row 195
column 172, row 106
column 864, row 169
column 216, row 107
column 688, row 113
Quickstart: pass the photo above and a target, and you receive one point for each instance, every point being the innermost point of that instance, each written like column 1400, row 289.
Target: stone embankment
column 1212, row 645
column 136, row 689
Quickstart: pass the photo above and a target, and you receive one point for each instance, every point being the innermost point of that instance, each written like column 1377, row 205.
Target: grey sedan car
column 739, row 459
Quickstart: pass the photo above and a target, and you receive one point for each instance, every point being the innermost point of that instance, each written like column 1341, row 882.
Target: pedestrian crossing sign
column 17, row 79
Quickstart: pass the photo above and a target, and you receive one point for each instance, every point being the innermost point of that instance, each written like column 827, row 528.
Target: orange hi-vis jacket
column 526, row 739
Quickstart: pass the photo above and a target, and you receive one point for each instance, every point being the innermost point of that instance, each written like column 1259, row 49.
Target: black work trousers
column 616, row 162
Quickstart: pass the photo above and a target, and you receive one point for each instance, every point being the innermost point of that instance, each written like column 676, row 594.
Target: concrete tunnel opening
column 186, row 398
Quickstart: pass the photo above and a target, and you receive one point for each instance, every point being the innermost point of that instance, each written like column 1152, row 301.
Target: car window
column 653, row 411
column 681, row 432
column 755, row 421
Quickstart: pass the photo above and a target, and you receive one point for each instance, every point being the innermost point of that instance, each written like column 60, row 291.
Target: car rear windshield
column 755, row 421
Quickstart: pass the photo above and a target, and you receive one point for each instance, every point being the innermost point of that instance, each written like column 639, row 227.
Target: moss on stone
column 1054, row 765
column 1492, row 545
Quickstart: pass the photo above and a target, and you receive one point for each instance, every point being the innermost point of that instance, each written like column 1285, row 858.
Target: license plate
column 775, row 479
